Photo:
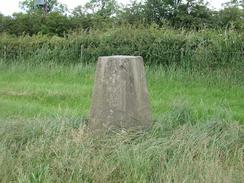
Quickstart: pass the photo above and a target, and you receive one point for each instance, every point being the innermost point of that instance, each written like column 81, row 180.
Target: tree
column 53, row 6
column 178, row 13
column 104, row 8
column 232, row 16
column 96, row 14
column 133, row 14
column 192, row 14
column 159, row 11
column 235, row 3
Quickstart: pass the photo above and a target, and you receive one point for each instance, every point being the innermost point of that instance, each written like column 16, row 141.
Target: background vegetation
column 168, row 32
column 102, row 14
column 206, row 49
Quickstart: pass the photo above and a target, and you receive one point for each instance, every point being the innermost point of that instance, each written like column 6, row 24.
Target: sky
column 8, row 7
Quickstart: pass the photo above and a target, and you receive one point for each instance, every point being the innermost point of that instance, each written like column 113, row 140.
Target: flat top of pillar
column 120, row 57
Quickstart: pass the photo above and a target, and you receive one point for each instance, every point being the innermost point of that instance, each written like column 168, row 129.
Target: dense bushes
column 158, row 46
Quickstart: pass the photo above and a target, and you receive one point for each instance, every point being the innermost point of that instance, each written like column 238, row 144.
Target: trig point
column 120, row 96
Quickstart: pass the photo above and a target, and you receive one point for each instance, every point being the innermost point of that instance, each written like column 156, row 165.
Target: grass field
column 197, row 136
column 59, row 90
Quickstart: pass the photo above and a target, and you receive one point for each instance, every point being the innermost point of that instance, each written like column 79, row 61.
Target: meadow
column 197, row 133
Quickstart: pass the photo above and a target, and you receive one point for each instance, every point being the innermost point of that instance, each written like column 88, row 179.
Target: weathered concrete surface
column 120, row 96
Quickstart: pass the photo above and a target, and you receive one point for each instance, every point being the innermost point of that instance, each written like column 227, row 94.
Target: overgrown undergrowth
column 173, row 150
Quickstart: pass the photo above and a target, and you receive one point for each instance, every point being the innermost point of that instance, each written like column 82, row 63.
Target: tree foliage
column 52, row 6
column 102, row 14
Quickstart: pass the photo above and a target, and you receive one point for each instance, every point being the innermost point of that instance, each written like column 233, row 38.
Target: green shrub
column 207, row 48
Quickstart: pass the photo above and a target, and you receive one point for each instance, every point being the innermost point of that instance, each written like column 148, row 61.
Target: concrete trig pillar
column 120, row 96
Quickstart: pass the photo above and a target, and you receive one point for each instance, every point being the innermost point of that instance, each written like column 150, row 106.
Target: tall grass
column 205, row 49
column 173, row 150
